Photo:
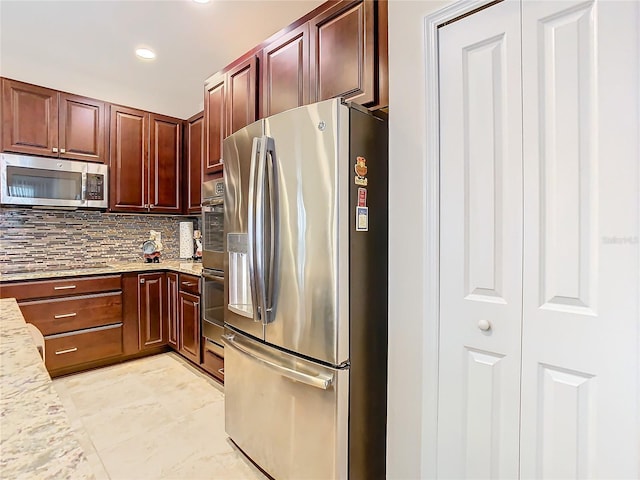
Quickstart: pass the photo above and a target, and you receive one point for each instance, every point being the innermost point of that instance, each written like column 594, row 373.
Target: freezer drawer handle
column 322, row 382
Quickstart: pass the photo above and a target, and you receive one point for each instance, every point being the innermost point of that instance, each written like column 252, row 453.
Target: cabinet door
column 285, row 72
column 242, row 101
column 343, row 53
column 29, row 119
column 128, row 159
column 152, row 318
column 165, row 163
column 189, row 338
column 172, row 308
column 214, row 123
column 194, row 149
column 83, row 128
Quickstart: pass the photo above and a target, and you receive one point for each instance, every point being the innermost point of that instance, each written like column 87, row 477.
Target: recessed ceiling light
column 202, row 1
column 145, row 53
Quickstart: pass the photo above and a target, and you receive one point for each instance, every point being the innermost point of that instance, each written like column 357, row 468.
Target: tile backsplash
column 47, row 239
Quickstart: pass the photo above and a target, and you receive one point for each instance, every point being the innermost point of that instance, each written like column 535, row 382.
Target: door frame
column 431, row 230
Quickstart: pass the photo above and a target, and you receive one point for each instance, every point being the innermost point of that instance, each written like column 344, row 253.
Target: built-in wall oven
column 213, row 224
column 213, row 310
column 212, row 265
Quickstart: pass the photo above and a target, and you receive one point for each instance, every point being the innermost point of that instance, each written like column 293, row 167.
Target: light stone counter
column 36, row 438
column 109, row 268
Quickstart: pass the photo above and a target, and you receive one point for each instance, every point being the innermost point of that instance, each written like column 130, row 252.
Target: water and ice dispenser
column 239, row 287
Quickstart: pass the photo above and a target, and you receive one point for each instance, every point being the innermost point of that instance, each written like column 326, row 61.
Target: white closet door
column 581, row 264
column 481, row 244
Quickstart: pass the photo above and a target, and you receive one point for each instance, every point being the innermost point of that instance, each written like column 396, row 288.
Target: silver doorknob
column 484, row 325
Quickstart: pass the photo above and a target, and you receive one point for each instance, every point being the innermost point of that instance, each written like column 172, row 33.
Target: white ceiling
column 87, row 46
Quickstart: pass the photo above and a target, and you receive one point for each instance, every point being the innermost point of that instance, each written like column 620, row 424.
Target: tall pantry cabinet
column 539, row 259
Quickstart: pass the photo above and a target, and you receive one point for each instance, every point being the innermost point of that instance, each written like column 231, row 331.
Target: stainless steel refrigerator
column 306, row 227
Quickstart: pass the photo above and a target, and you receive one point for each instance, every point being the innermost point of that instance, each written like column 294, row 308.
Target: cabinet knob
column 484, row 325
column 151, row 205
column 142, row 280
column 54, row 149
column 62, row 150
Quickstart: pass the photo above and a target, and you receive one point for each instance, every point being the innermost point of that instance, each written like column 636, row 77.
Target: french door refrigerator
column 305, row 223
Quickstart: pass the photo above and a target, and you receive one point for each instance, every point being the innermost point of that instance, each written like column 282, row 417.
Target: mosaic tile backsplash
column 52, row 239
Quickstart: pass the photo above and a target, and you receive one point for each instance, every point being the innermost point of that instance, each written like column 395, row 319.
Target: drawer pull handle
column 189, row 284
column 66, row 287
column 221, row 371
column 65, row 315
column 68, row 350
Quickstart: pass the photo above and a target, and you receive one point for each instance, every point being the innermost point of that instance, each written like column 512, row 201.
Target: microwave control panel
column 95, row 186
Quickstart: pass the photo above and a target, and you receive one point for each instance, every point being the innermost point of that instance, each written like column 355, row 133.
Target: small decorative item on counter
column 152, row 248
column 197, row 237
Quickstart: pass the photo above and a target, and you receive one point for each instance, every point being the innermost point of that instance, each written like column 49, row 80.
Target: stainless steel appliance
column 213, row 224
column 305, row 217
column 52, row 182
column 212, row 300
column 212, row 265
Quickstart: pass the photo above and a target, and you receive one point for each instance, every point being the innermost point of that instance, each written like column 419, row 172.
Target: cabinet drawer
column 73, row 313
column 189, row 284
column 213, row 364
column 60, row 287
column 70, row 349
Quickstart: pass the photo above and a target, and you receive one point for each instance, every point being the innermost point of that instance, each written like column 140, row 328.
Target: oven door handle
column 215, row 278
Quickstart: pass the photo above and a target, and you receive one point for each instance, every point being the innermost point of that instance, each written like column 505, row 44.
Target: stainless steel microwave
column 52, row 182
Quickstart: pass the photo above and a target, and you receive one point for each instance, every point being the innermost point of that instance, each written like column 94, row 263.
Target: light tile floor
column 153, row 418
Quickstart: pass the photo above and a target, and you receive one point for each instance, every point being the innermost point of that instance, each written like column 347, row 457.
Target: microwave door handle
column 259, row 247
column 83, row 194
column 251, row 227
column 273, row 229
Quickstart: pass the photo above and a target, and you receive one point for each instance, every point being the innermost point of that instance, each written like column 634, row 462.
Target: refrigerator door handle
column 259, row 237
column 320, row 381
column 273, row 229
column 251, row 228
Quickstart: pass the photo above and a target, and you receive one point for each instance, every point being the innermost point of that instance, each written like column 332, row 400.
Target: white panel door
column 481, row 244
column 581, row 264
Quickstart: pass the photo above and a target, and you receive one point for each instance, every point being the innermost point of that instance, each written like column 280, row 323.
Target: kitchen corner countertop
column 36, row 438
column 188, row 267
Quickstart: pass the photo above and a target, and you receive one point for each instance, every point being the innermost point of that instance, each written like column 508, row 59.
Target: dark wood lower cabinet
column 172, row 308
column 68, row 349
column 189, row 338
column 152, row 318
column 213, row 364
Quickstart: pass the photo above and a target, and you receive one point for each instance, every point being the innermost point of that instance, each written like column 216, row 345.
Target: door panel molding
column 431, row 267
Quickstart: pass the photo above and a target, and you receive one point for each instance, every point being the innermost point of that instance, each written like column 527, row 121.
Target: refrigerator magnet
column 362, row 197
column 361, row 171
column 362, row 219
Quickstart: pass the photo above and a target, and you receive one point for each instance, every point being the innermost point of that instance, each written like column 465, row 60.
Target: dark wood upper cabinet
column 128, row 146
column 215, row 123
column 165, row 155
column 146, row 162
column 29, row 118
column 194, row 148
column 242, row 101
column 285, row 72
column 41, row 121
column 344, row 60
column 82, row 128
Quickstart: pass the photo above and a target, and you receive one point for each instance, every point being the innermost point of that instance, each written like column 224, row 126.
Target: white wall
column 411, row 410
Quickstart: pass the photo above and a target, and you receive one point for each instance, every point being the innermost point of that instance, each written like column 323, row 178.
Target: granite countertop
column 36, row 438
column 186, row 266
